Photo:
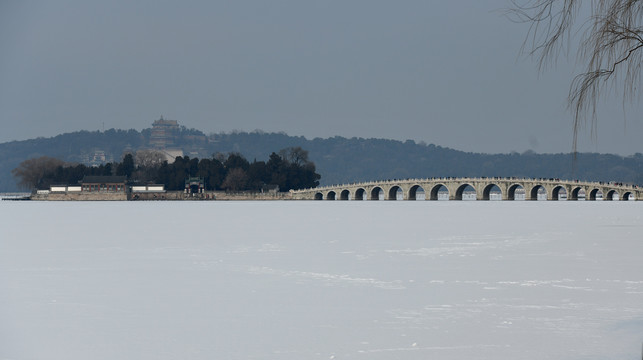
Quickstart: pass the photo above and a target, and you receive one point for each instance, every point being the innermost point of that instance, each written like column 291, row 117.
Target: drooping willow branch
column 611, row 48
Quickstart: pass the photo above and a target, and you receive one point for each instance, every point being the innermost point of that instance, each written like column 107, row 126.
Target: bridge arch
column 319, row 196
column 375, row 193
column 626, row 195
column 413, row 192
column 536, row 190
column 516, row 189
column 393, row 191
column 594, row 194
column 360, row 194
column 438, row 188
column 462, row 189
column 610, row 195
column 489, row 189
column 330, row 195
column 345, row 195
column 576, row 193
column 558, row 192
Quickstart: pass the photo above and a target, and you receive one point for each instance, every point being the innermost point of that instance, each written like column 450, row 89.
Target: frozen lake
column 321, row 280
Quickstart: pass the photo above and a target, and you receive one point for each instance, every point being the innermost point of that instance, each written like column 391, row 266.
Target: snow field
column 321, row 280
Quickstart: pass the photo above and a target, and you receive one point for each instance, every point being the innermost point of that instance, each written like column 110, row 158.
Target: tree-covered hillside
column 68, row 147
column 337, row 159
column 341, row 160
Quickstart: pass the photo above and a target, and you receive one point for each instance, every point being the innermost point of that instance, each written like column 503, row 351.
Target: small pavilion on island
column 194, row 185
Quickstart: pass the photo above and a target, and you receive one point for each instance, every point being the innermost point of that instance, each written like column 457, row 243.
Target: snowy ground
column 321, row 280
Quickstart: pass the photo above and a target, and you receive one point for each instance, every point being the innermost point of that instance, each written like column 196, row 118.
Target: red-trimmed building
column 113, row 184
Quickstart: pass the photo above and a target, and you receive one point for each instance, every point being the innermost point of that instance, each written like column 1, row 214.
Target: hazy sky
column 443, row 72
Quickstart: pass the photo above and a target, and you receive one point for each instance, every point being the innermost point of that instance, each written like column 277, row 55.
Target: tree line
column 288, row 169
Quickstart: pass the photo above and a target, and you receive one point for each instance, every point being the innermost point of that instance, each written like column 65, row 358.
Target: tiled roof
column 104, row 179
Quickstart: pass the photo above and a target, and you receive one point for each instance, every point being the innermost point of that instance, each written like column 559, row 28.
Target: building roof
column 171, row 154
column 165, row 123
column 103, row 179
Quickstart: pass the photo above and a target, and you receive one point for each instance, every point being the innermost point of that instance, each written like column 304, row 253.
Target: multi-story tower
column 164, row 133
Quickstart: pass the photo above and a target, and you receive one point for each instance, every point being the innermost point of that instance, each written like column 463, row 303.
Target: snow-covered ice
column 321, row 280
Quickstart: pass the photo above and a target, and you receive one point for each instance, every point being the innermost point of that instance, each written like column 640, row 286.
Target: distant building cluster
column 96, row 158
column 100, row 188
column 164, row 138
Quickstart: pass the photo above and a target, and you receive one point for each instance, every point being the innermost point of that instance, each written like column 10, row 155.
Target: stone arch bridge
column 483, row 188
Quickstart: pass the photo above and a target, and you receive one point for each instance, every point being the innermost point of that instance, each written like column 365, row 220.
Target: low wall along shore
column 167, row 195
column 88, row 196
column 210, row 195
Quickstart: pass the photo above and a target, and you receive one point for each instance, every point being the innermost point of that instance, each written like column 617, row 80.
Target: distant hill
column 338, row 159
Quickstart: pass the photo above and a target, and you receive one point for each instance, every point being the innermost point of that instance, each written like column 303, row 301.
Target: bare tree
column 149, row 158
column 610, row 47
column 236, row 180
column 31, row 172
column 294, row 155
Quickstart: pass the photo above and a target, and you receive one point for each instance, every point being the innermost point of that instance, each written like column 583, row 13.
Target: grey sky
column 443, row 72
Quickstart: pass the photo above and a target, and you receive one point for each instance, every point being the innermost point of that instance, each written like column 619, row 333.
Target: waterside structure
column 117, row 188
column 480, row 188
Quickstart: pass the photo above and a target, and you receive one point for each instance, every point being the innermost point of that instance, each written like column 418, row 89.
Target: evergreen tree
column 126, row 167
